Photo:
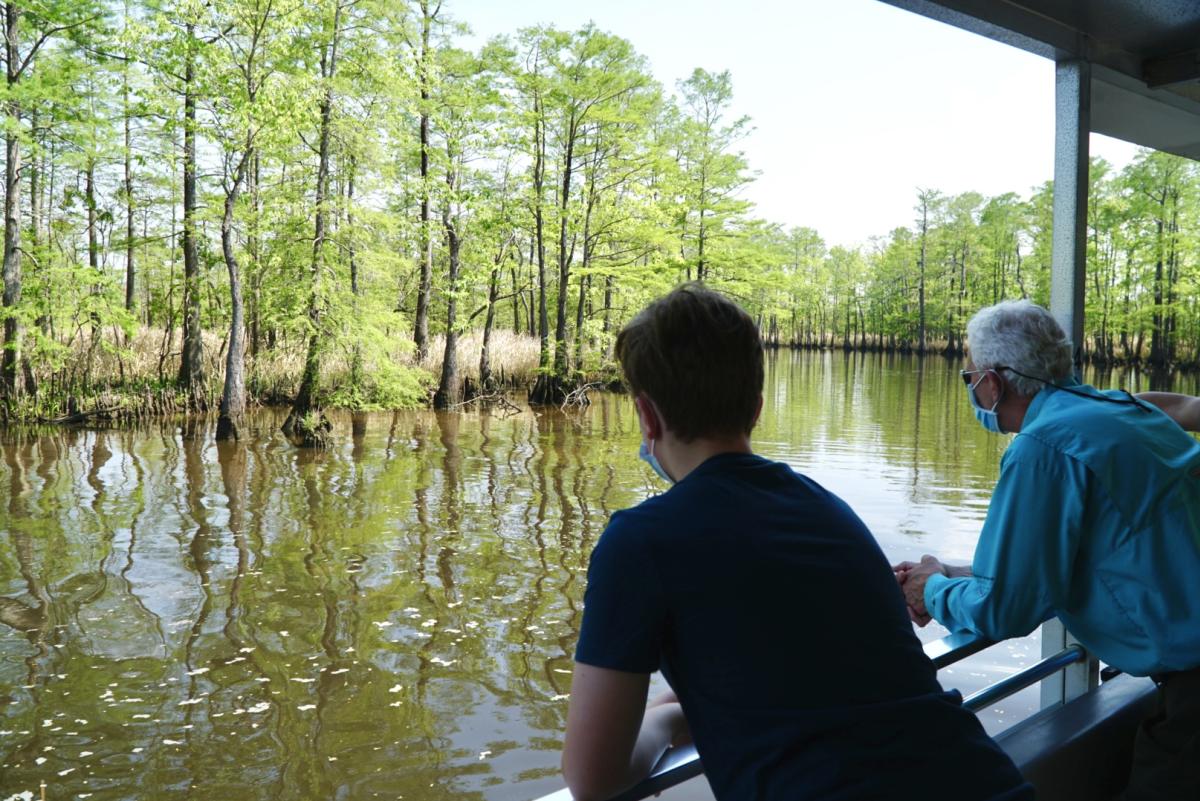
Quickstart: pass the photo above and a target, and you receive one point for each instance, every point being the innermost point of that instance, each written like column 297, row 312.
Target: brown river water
column 394, row 617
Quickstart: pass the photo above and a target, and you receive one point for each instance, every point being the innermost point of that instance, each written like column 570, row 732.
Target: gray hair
column 1021, row 335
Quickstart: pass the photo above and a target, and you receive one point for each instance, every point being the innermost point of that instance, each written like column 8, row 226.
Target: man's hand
column 671, row 714
column 912, row 577
column 680, row 733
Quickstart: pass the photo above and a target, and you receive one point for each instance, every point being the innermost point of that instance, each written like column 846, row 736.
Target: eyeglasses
column 965, row 375
column 1129, row 399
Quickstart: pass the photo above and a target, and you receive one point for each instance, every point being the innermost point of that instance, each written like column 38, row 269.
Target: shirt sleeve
column 624, row 612
column 1023, row 561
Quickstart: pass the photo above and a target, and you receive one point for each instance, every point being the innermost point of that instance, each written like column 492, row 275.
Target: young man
column 763, row 599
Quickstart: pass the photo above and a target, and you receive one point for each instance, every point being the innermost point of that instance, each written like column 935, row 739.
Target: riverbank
column 115, row 378
column 120, row 381
column 1109, row 357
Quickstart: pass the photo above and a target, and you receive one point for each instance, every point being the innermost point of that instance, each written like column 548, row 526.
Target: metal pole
column 1072, row 125
column 1064, row 659
column 1077, row 678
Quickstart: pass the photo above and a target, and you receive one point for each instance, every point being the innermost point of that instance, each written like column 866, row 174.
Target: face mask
column 647, row 456
column 986, row 417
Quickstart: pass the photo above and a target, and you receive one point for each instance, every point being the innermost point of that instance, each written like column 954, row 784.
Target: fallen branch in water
column 579, row 396
column 491, row 398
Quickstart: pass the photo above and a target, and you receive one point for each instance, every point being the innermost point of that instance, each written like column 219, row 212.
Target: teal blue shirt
column 1095, row 519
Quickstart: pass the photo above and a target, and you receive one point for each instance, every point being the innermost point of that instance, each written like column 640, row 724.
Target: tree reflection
column 392, row 609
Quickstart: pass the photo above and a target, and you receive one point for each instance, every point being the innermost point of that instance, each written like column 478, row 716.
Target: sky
column 855, row 104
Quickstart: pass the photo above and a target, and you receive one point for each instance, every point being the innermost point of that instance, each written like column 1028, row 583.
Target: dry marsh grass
column 111, row 369
column 514, row 357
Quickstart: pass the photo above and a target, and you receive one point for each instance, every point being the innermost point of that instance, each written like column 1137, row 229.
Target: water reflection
column 395, row 616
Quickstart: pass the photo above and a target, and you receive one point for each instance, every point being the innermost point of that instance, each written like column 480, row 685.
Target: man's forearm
column 1183, row 409
column 660, row 726
column 958, row 571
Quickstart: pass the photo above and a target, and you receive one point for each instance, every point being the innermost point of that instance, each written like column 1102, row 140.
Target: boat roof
column 1144, row 55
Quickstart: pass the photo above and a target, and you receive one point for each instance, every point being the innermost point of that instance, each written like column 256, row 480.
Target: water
column 395, row 617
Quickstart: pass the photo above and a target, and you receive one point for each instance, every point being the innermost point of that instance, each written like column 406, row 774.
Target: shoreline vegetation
column 332, row 204
column 132, row 383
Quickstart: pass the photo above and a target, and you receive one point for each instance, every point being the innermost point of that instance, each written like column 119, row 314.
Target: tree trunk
column 191, row 364
column 1172, row 278
column 12, row 205
column 921, row 277
column 35, row 188
column 608, row 297
column 356, row 359
column 1157, row 351
column 584, row 280
column 449, row 391
column 252, row 246
column 486, row 382
column 541, row 389
column 301, row 425
column 93, row 242
column 962, row 298
column 589, row 249
column 424, row 287
column 518, row 300
column 530, row 300
column 562, row 364
column 130, row 271
column 233, row 395
column 35, row 229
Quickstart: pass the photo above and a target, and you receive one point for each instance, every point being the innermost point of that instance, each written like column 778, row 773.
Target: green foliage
column 967, row 251
column 566, row 177
column 388, row 386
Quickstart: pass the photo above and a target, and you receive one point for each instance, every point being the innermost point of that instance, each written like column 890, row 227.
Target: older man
column 1095, row 519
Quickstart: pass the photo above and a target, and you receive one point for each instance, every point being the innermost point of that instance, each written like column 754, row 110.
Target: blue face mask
column 647, row 456
column 986, row 417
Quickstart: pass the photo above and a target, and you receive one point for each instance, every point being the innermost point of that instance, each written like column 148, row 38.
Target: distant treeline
column 915, row 289
column 215, row 199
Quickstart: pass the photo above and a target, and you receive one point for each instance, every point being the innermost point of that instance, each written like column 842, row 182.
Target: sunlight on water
column 395, row 617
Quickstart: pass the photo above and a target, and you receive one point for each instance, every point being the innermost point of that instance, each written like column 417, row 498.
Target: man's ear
column 651, row 423
column 999, row 385
column 757, row 411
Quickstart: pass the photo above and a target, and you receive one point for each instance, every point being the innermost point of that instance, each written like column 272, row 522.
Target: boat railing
column 680, row 764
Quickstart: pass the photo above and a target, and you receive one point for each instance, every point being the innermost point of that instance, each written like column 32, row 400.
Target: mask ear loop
column 983, row 375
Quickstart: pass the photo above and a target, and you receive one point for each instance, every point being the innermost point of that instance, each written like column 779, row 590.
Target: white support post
column 1072, row 125
column 1074, row 680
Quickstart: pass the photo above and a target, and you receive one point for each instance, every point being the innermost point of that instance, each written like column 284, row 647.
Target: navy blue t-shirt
column 776, row 619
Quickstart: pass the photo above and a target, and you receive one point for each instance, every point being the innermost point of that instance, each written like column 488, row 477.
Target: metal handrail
column 955, row 647
column 1025, row 678
column 676, row 767
column 680, row 764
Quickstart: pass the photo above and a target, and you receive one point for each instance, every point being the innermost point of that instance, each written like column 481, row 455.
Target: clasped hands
column 912, row 577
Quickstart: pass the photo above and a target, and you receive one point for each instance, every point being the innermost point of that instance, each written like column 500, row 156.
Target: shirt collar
column 719, row 460
column 1039, row 400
